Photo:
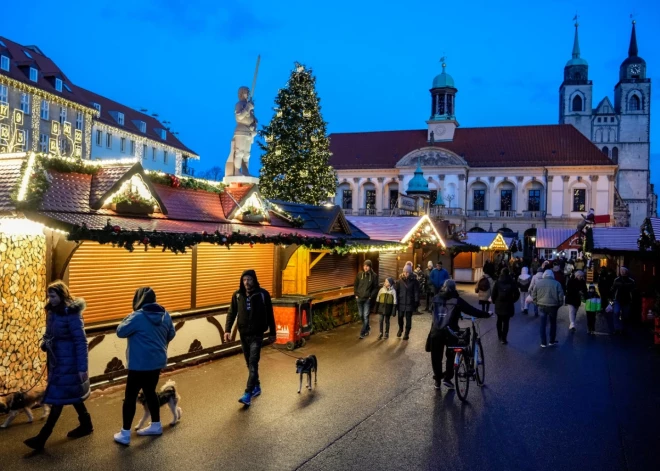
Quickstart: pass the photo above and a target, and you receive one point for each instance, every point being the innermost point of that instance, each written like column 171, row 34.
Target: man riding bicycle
column 448, row 307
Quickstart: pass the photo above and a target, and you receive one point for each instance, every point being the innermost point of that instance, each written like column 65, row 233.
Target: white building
column 121, row 132
column 620, row 129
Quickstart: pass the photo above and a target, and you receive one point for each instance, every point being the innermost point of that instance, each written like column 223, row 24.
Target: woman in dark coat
column 505, row 294
column 576, row 289
column 65, row 344
column 407, row 295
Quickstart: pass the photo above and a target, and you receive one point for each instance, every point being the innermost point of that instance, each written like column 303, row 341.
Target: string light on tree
column 297, row 150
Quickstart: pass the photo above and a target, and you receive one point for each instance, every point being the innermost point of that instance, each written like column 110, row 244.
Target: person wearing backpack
column 524, row 282
column 505, row 294
column 447, row 309
column 484, row 289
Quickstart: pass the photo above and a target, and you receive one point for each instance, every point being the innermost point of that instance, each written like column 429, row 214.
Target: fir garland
column 188, row 183
column 179, row 243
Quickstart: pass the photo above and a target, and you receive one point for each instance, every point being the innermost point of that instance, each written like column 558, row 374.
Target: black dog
column 307, row 366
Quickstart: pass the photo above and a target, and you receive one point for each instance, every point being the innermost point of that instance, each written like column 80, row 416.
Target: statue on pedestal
column 244, row 134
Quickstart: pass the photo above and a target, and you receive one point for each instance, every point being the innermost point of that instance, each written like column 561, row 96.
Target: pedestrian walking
column 592, row 306
column 484, row 290
column 605, row 280
column 386, row 306
column 558, row 273
column 548, row 295
column 524, row 282
column 65, row 345
column 148, row 331
column 430, row 289
column 407, row 297
column 423, row 281
column 535, row 279
column 252, row 310
column 447, row 309
column 489, row 268
column 439, row 276
column 505, row 294
column 365, row 289
column 623, row 290
column 576, row 289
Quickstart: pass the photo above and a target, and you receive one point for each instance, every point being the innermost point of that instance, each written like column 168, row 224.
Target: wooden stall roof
column 393, row 229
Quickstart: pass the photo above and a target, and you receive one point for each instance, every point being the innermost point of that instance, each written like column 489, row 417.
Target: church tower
column 632, row 103
column 575, row 106
column 442, row 123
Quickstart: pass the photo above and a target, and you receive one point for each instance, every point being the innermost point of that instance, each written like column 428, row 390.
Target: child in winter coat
column 592, row 306
column 484, row 289
column 386, row 306
column 524, row 281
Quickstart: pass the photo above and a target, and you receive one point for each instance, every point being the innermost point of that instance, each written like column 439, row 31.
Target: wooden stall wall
column 333, row 271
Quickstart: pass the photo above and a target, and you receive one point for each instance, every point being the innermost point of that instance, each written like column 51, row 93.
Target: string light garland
column 295, row 163
column 40, row 93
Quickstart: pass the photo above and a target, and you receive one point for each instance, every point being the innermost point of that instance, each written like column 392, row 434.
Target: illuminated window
column 479, row 200
column 370, row 199
column 579, row 199
column 45, row 109
column 534, row 201
column 506, row 200
column 347, row 199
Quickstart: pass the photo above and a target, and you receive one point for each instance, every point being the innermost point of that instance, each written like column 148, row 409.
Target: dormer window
column 27, row 54
column 97, row 107
column 34, row 75
column 120, row 118
column 2, row 43
column 58, row 84
column 68, row 89
column 141, row 125
column 4, row 63
column 163, row 134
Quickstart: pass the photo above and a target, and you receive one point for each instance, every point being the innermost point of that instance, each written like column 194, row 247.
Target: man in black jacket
column 252, row 308
column 365, row 289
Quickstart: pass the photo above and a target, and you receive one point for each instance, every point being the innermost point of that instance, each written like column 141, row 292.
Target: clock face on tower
column 438, row 131
column 635, row 69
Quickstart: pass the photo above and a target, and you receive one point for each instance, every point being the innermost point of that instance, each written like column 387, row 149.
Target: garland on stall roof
column 179, row 243
column 188, row 183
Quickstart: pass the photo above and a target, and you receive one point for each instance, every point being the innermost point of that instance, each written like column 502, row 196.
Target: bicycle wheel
column 462, row 378
column 480, row 363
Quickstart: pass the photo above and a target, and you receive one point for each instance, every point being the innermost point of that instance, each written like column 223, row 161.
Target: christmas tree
column 295, row 166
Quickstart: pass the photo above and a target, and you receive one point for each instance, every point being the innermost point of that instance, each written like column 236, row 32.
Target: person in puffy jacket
column 252, row 309
column 524, row 283
column 548, row 295
column 576, row 289
column 447, row 309
column 386, row 306
column 439, row 276
column 535, row 279
column 505, row 294
column 65, row 345
column 148, row 332
column 407, row 297
column 484, row 289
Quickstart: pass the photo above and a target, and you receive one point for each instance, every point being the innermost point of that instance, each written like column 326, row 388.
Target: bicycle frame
column 469, row 349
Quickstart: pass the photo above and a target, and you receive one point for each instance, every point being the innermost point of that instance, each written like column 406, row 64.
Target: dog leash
column 283, row 353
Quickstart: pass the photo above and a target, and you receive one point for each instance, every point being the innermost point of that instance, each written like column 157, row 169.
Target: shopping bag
column 529, row 299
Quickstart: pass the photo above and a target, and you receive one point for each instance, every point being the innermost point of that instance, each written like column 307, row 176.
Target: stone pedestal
column 240, row 179
column 22, row 315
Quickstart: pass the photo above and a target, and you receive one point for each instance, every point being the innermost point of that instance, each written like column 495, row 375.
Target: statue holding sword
column 245, row 131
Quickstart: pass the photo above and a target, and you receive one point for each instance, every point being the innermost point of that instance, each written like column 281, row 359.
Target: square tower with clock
column 442, row 123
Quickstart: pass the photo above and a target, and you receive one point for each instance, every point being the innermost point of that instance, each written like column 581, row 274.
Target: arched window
column 615, row 155
column 577, row 103
column 635, row 103
column 606, row 151
column 599, row 135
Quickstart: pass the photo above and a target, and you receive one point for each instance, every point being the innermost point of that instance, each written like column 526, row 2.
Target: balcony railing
column 367, row 212
column 505, row 213
column 533, row 214
column 188, row 170
column 438, row 211
column 477, row 213
column 348, row 211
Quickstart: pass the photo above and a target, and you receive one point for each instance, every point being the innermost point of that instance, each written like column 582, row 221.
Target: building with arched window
column 619, row 128
column 514, row 177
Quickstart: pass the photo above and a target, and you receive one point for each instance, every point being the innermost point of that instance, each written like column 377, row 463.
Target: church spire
column 632, row 49
column 576, row 43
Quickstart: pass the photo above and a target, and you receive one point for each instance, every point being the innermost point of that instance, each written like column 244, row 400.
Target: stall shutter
column 107, row 277
column 219, row 270
column 333, row 271
column 387, row 266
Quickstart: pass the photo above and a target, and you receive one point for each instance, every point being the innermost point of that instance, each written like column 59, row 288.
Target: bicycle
column 468, row 349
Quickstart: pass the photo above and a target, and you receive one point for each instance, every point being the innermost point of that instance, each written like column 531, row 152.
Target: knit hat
column 390, row 280
column 367, row 263
column 407, row 268
column 430, row 264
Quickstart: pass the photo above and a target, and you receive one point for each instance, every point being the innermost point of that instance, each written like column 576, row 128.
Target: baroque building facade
column 620, row 129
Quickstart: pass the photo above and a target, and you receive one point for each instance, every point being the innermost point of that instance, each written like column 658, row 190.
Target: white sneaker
column 123, row 437
column 571, row 327
column 154, row 428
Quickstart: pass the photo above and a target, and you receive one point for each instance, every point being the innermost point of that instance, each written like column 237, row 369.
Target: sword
column 254, row 79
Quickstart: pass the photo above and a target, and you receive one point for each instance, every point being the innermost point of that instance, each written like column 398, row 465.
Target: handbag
column 528, row 299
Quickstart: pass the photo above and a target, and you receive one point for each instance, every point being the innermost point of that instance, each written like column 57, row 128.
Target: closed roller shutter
column 387, row 266
column 107, row 277
column 332, row 272
column 219, row 270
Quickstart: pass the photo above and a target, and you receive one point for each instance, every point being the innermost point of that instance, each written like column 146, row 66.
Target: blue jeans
column 548, row 311
column 621, row 315
column 364, row 306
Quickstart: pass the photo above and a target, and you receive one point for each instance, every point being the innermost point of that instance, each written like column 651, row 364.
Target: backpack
column 484, row 284
column 506, row 293
column 442, row 311
column 524, row 284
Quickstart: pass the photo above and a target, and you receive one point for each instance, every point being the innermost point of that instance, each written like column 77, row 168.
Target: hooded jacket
column 623, row 289
column 505, row 293
column 575, row 290
column 535, row 279
column 66, row 346
column 524, row 280
column 365, row 286
column 484, row 295
column 386, row 299
column 256, row 319
column 547, row 291
column 149, row 330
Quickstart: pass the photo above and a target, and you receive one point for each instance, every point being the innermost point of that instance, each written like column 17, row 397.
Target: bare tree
column 214, row 173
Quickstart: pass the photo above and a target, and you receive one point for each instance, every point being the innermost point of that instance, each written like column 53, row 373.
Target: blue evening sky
column 374, row 60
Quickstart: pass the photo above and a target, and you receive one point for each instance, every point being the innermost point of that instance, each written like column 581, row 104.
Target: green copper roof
column 439, row 201
column 576, row 59
column 443, row 80
column 418, row 185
